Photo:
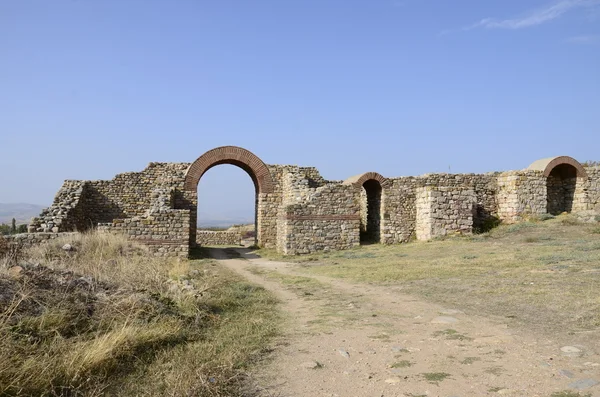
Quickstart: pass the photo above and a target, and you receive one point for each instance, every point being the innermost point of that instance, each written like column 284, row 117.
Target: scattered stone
column 344, row 353
column 392, row 381
column 15, row 272
column 583, row 384
column 67, row 247
column 413, row 349
column 399, row 349
column 566, row 373
column 571, row 351
column 444, row 320
column 591, row 364
column 311, row 365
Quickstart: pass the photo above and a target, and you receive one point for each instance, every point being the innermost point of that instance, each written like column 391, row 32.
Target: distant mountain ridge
column 225, row 219
column 22, row 212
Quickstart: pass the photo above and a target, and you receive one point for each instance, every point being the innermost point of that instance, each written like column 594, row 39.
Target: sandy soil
column 344, row 339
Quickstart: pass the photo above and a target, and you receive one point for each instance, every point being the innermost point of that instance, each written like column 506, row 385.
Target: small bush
column 591, row 163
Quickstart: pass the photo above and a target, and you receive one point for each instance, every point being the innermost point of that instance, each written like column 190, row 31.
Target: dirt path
column 357, row 340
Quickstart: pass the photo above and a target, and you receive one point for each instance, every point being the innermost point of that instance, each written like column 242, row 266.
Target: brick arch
column 359, row 180
column 548, row 164
column 246, row 160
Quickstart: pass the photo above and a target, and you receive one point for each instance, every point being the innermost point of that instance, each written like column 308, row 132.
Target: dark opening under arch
column 372, row 220
column 560, row 188
column 371, row 204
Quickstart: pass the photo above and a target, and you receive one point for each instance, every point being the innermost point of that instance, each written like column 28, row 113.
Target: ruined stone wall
column 27, row 240
column 210, row 237
column 443, row 210
column 399, row 210
column 592, row 188
column 298, row 211
column 293, row 186
column 521, row 194
column 329, row 219
column 164, row 229
column 129, row 194
column 66, row 212
column 399, row 201
column 364, row 209
column 81, row 205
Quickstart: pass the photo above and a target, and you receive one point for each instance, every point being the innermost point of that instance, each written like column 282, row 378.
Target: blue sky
column 91, row 88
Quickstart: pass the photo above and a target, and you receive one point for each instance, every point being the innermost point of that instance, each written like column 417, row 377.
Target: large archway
column 564, row 179
column 246, row 160
column 371, row 203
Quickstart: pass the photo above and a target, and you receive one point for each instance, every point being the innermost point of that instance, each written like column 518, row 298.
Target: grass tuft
column 435, row 377
column 569, row 393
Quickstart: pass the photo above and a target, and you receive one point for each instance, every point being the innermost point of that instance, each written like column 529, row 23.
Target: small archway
column 246, row 160
column 371, row 203
column 564, row 178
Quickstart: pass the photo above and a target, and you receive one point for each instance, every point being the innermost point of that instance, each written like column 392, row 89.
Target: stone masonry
column 299, row 212
column 217, row 237
column 444, row 210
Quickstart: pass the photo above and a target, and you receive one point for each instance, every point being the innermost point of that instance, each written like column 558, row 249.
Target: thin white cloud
column 536, row 17
column 584, row 39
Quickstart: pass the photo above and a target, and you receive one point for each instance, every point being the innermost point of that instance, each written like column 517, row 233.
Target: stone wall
column 27, row 240
column 66, row 213
column 399, row 201
column 80, row 205
column 209, row 237
column 298, row 211
column 164, row 229
column 592, row 188
column 329, row 219
column 443, row 210
column 521, row 194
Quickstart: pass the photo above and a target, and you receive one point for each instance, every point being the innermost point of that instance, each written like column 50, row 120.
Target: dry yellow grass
column 108, row 318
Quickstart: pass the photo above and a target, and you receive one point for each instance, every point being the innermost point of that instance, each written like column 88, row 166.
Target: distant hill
column 224, row 220
column 22, row 212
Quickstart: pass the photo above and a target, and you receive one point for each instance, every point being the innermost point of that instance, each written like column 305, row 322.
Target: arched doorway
column 564, row 181
column 242, row 158
column 560, row 188
column 371, row 205
column 227, row 201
